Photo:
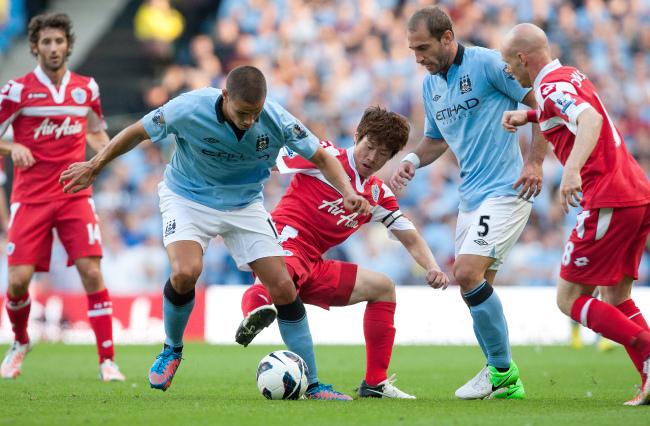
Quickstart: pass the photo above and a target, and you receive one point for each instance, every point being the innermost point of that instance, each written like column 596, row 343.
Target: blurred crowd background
column 325, row 62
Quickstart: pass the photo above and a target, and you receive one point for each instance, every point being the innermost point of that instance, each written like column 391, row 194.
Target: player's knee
column 385, row 290
column 17, row 287
column 92, row 278
column 565, row 304
column 185, row 277
column 281, row 290
column 466, row 277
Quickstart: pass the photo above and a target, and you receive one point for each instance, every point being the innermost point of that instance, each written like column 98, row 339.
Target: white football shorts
column 249, row 233
column 493, row 228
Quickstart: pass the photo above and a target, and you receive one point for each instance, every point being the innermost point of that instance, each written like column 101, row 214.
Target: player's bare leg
column 379, row 331
column 100, row 316
column 18, row 308
column 186, row 261
column 576, row 301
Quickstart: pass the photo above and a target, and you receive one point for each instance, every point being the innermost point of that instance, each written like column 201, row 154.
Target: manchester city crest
column 158, row 117
column 465, row 84
column 79, row 95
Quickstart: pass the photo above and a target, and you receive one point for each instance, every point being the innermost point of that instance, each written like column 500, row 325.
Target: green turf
column 216, row 385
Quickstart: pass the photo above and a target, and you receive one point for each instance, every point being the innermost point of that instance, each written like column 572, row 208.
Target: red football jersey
column 51, row 122
column 611, row 177
column 315, row 208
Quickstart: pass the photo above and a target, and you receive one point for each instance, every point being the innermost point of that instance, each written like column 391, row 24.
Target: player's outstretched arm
column 531, row 177
column 418, row 248
column 427, row 151
column 589, row 124
column 80, row 176
column 335, row 174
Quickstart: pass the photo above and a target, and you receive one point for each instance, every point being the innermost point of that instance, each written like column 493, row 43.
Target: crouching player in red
column 606, row 245
column 311, row 219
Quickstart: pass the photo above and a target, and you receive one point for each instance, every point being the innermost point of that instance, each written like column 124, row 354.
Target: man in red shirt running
column 54, row 113
column 606, row 245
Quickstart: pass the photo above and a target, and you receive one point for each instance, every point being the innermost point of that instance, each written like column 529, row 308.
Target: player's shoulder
column 380, row 191
column 482, row 55
column 560, row 80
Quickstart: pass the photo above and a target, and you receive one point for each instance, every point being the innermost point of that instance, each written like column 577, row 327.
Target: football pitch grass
column 216, row 385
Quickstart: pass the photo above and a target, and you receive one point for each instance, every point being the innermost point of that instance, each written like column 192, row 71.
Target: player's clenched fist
column 357, row 204
column 513, row 119
column 78, row 176
column 437, row 279
column 404, row 172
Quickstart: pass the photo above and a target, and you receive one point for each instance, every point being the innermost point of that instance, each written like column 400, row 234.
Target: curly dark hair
column 51, row 20
column 384, row 127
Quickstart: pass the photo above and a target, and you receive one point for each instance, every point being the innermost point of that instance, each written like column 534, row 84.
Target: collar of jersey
column 458, row 59
column 360, row 186
column 551, row 66
column 57, row 95
column 218, row 109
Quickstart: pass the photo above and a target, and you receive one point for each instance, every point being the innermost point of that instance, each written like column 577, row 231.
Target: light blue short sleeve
column 163, row 121
column 296, row 135
column 495, row 71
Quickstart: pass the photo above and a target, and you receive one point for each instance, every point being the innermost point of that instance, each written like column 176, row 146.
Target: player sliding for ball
column 311, row 219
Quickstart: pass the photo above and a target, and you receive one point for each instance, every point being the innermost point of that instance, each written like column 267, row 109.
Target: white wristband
column 412, row 158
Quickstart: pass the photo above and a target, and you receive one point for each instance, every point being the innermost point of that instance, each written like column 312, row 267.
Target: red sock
column 611, row 323
column 379, row 332
column 18, row 311
column 633, row 313
column 100, row 315
column 255, row 297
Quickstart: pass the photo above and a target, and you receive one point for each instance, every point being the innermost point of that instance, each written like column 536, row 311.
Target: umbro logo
column 170, row 228
column 481, row 242
column 210, row 140
column 435, row 98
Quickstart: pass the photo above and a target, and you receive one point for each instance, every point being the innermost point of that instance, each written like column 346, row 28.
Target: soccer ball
column 282, row 375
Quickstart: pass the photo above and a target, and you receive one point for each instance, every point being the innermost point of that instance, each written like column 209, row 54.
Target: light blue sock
column 297, row 337
column 489, row 320
column 175, row 319
column 481, row 343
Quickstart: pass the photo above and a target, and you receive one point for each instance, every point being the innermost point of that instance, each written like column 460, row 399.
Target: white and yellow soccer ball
column 282, row 375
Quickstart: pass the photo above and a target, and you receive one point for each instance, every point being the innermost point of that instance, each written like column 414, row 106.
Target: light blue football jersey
column 465, row 110
column 210, row 165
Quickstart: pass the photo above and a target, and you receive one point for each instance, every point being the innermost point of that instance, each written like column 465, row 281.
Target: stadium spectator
column 605, row 247
column 228, row 141
column 54, row 113
column 464, row 95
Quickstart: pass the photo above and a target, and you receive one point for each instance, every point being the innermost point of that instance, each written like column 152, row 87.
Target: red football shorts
column 605, row 244
column 30, row 231
column 319, row 282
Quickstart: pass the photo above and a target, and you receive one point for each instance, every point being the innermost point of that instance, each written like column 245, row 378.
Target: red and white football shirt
column 314, row 208
column 611, row 177
column 52, row 122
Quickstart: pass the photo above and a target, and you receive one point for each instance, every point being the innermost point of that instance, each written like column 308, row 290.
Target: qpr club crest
column 79, row 95
column 465, row 84
column 375, row 192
